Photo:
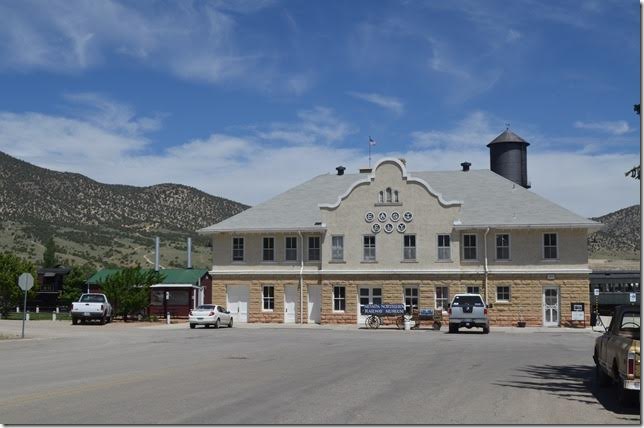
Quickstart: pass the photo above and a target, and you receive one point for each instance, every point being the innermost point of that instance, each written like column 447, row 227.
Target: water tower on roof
column 508, row 157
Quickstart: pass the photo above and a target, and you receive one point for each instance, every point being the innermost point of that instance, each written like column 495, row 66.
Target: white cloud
column 319, row 125
column 251, row 169
column 389, row 103
column 513, row 36
column 197, row 41
column 617, row 127
column 472, row 131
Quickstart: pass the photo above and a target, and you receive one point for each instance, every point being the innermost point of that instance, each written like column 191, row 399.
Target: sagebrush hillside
column 100, row 223
column 620, row 237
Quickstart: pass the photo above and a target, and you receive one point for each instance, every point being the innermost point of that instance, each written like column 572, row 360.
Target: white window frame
column 496, row 247
column 412, row 297
column 439, row 247
column 476, row 247
column 364, row 248
column 543, row 246
column 496, row 295
column 268, row 299
column 286, row 249
column 415, row 248
column 444, row 298
column 243, row 249
column 333, row 258
column 264, row 249
column 471, row 291
column 308, row 248
column 338, row 299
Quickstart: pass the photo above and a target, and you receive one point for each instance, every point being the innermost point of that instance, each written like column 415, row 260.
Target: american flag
column 372, row 142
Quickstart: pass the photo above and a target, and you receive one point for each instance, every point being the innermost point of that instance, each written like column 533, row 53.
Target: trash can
column 407, row 324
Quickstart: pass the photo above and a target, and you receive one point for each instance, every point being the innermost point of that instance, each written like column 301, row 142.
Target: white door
column 315, row 300
column 237, row 302
column 368, row 296
column 290, row 297
column 551, row 306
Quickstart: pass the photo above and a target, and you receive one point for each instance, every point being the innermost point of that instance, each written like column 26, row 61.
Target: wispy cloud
column 617, row 127
column 473, row 130
column 319, row 125
column 388, row 103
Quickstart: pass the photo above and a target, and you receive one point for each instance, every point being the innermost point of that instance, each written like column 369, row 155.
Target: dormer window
column 381, row 198
column 396, row 196
column 388, row 194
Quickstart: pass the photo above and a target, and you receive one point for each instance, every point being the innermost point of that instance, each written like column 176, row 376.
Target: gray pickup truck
column 468, row 310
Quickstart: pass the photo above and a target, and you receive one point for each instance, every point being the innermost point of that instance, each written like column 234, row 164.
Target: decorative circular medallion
column 389, row 227
column 394, row 216
column 382, row 216
column 375, row 228
column 408, row 216
column 401, row 227
column 369, row 217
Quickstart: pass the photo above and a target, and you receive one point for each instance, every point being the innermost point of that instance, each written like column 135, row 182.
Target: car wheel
column 486, row 329
column 230, row 323
column 74, row 321
column 102, row 320
column 217, row 323
column 436, row 325
column 602, row 378
column 193, row 325
column 453, row 329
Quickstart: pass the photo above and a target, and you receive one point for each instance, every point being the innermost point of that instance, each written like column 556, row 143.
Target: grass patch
column 41, row 316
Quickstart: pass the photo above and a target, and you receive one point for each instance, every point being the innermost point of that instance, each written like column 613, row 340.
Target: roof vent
column 466, row 166
column 340, row 170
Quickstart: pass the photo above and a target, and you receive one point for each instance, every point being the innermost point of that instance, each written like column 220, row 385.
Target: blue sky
column 245, row 99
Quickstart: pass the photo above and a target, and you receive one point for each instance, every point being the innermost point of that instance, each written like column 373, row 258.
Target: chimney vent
column 156, row 253
column 340, row 170
column 189, row 253
column 466, row 166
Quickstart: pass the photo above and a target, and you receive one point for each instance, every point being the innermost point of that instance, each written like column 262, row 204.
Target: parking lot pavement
column 174, row 375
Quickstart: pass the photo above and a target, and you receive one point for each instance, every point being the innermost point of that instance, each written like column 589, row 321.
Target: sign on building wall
column 577, row 310
column 383, row 309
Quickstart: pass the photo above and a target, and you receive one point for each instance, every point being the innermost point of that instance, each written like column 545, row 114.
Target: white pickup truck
column 468, row 310
column 91, row 306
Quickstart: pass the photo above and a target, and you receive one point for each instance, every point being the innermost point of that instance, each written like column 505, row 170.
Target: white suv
column 468, row 310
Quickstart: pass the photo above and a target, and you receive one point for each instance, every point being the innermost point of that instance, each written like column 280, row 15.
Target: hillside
column 100, row 223
column 618, row 244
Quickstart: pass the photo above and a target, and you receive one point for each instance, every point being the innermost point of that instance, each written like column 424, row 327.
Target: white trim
column 331, row 259
column 232, row 249
column 296, row 247
column 589, row 226
column 496, row 294
column 308, row 248
column 274, row 249
column 319, row 229
column 415, row 247
column 333, row 299
column 319, row 272
column 405, row 177
column 375, row 251
column 271, row 298
column 438, row 259
column 476, row 247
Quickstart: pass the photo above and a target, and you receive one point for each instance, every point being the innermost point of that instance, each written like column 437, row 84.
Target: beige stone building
column 319, row 251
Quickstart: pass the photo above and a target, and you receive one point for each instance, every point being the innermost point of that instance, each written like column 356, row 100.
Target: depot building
column 321, row 250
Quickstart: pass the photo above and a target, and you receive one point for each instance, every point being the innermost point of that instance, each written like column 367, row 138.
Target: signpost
column 25, row 282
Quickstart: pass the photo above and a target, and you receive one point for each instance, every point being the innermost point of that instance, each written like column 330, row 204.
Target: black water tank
column 508, row 157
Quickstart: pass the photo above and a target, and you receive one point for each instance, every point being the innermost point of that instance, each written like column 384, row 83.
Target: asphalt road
column 173, row 375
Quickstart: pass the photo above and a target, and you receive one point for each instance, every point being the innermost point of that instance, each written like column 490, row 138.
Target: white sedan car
column 208, row 315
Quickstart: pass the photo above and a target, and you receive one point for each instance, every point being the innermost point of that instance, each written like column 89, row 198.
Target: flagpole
column 369, row 152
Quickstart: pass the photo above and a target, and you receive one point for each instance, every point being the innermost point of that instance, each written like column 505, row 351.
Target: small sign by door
column 632, row 297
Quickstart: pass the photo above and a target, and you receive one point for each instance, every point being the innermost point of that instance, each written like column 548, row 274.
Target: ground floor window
column 339, row 298
column 268, row 298
column 370, row 296
column 442, row 298
column 474, row 290
column 411, row 299
column 503, row 293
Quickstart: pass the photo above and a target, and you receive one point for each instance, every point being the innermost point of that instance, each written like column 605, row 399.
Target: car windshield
column 467, row 300
column 92, row 298
column 205, row 307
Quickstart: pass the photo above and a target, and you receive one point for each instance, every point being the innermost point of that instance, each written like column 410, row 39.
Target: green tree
column 49, row 257
column 74, row 283
column 128, row 290
column 11, row 266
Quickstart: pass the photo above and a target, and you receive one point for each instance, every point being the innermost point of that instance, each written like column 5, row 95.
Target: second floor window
column 550, row 246
column 268, row 253
column 291, row 248
column 469, row 247
column 314, row 248
column 238, row 249
column 503, row 247
column 444, row 252
column 337, row 248
column 409, row 248
column 369, row 248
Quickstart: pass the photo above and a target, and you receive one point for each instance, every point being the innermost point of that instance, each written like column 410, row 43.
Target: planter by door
column 237, row 302
column 314, row 302
column 290, row 299
column 551, row 310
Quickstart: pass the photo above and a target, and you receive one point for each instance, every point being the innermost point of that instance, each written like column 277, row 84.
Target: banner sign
column 426, row 312
column 577, row 315
column 577, row 307
column 383, row 309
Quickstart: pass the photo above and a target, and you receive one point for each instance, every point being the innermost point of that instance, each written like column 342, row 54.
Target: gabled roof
column 488, row 199
column 171, row 276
